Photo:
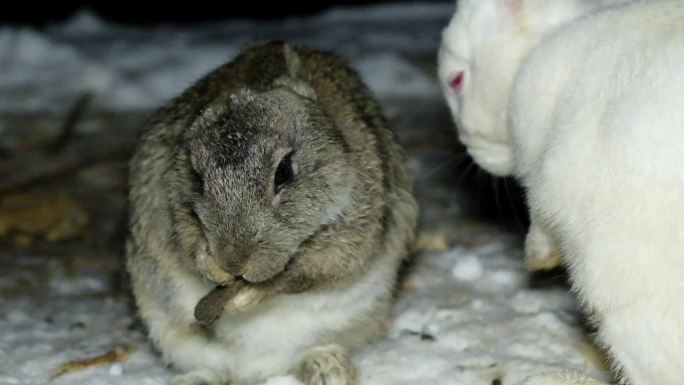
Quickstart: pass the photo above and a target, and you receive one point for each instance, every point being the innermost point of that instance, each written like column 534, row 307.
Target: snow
column 140, row 69
column 444, row 330
column 115, row 370
column 473, row 331
column 469, row 315
column 467, row 268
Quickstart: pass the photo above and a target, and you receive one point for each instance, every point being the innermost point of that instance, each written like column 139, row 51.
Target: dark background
column 486, row 197
column 35, row 14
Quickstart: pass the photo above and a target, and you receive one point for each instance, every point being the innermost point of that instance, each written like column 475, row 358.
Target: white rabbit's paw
column 540, row 251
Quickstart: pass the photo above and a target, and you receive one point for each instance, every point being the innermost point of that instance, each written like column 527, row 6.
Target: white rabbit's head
column 482, row 48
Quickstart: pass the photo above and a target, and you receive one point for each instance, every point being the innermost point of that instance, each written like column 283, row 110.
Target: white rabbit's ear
column 509, row 14
column 491, row 18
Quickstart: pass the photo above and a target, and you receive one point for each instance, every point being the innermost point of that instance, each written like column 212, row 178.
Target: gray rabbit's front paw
column 236, row 298
column 246, row 299
column 327, row 365
column 208, row 267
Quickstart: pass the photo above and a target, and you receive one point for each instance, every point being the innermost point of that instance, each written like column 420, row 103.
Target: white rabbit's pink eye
column 456, row 82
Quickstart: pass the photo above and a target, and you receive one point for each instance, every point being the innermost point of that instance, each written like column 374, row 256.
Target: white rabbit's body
column 595, row 129
column 602, row 156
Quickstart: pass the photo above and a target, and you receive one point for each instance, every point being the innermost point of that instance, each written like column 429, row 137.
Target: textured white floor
column 466, row 316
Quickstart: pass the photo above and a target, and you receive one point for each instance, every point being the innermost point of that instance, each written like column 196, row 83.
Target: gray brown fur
column 204, row 211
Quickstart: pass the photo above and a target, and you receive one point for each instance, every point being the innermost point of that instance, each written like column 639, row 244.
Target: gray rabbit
column 270, row 211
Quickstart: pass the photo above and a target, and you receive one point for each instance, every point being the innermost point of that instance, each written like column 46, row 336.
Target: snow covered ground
column 467, row 312
column 129, row 68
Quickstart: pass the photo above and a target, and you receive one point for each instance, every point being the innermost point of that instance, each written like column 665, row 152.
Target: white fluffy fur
column 585, row 105
column 266, row 341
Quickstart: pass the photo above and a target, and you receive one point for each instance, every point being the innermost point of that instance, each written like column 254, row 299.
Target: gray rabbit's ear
column 299, row 87
column 292, row 80
column 292, row 61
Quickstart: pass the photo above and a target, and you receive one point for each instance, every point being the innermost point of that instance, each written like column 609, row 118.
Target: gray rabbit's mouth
column 262, row 267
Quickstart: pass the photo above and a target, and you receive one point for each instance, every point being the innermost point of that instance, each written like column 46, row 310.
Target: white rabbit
column 583, row 102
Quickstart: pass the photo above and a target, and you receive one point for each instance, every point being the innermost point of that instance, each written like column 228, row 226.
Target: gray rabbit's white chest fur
column 271, row 340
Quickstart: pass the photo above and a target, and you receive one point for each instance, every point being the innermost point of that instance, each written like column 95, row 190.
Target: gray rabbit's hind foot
column 564, row 378
column 327, row 365
column 198, row 377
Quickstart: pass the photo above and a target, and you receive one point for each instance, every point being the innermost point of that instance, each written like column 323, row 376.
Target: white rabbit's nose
column 495, row 158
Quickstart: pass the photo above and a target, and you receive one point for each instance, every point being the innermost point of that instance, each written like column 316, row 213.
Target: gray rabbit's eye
column 284, row 173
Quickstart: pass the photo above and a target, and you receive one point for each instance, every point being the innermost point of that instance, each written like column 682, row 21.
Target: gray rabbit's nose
column 235, row 268
column 232, row 257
